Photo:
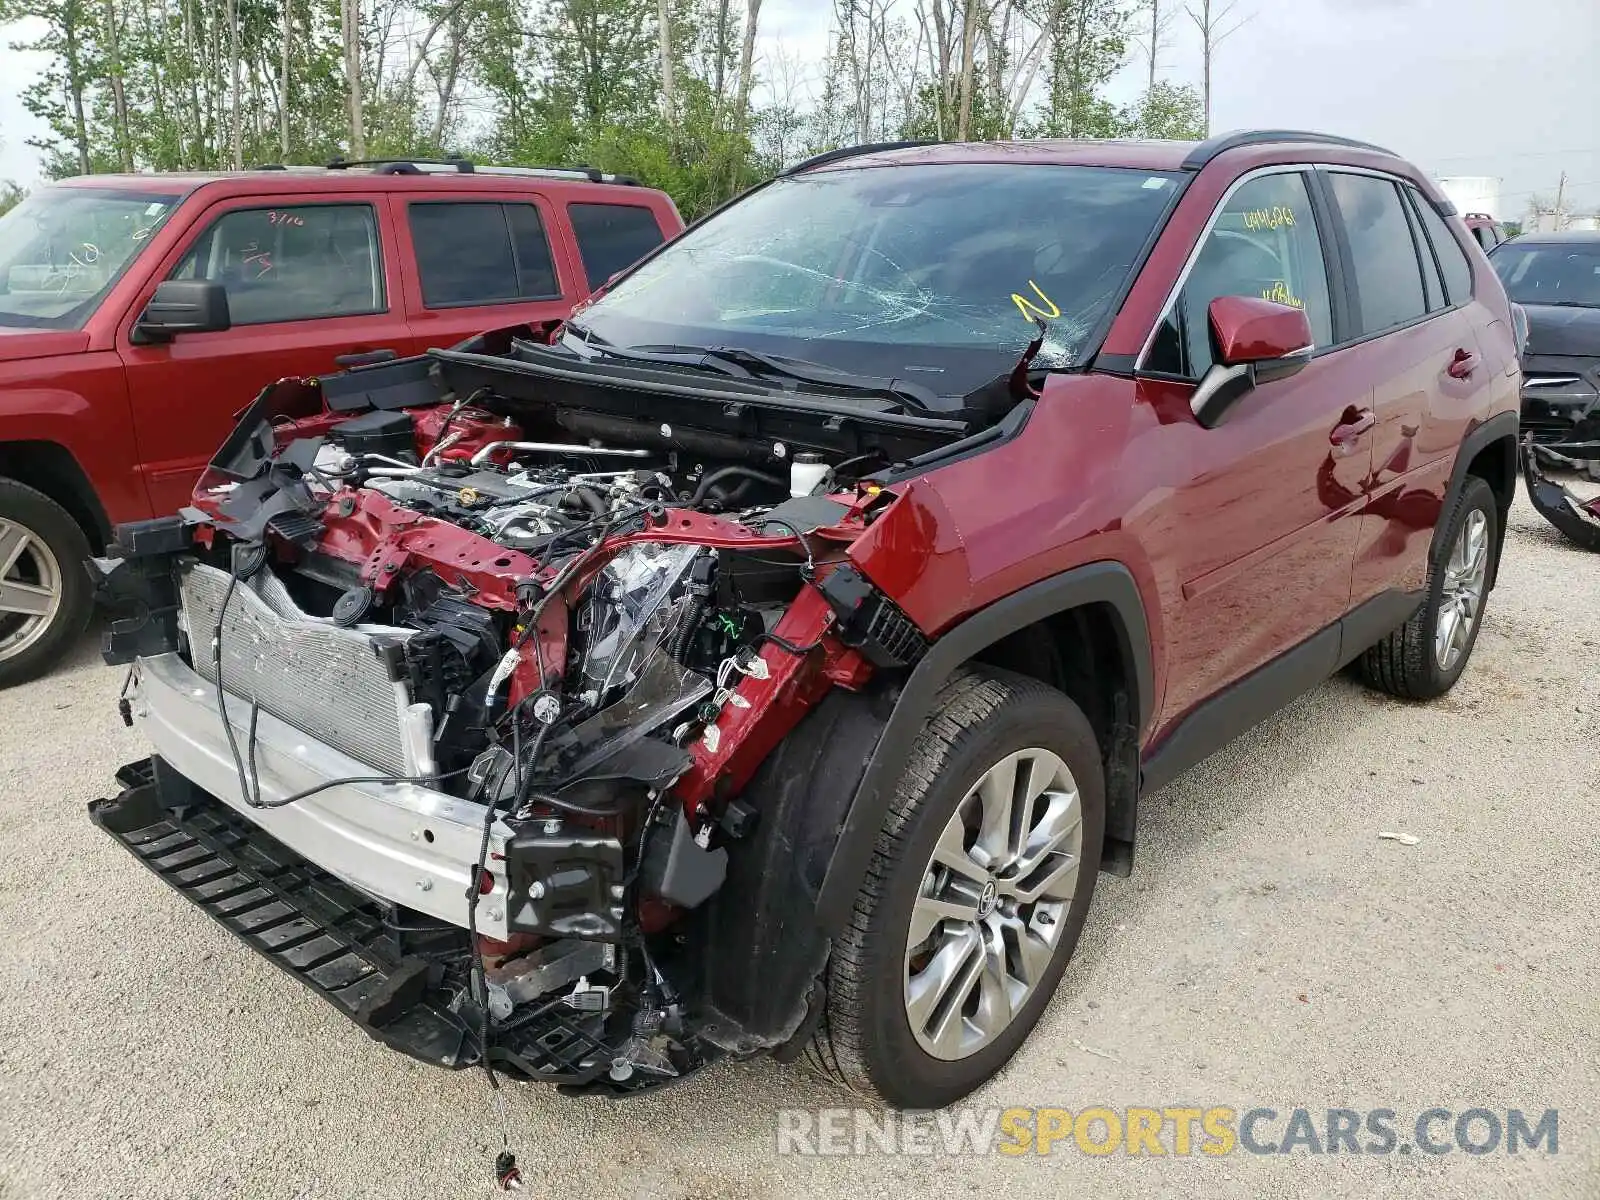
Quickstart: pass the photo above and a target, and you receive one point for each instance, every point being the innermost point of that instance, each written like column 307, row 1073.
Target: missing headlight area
column 456, row 669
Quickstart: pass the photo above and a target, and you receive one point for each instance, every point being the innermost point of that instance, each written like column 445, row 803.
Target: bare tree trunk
column 233, row 106
column 1155, row 42
column 447, row 90
column 74, row 81
column 119, row 96
column 664, row 22
column 350, row 19
column 283, row 89
column 969, row 32
column 747, row 59
column 1211, row 21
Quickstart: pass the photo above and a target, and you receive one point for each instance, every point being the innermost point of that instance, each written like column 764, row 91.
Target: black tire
column 49, row 523
column 865, row 1041
column 1404, row 663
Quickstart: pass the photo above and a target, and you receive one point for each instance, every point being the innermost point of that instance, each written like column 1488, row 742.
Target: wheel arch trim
column 1108, row 583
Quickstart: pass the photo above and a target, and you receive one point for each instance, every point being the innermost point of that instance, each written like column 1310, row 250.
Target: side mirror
column 1256, row 341
column 183, row 306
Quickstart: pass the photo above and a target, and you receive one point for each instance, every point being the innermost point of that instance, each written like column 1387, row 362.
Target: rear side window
column 481, row 253
column 291, row 264
column 1452, row 258
column 1432, row 280
column 1264, row 243
column 1388, row 278
column 612, row 236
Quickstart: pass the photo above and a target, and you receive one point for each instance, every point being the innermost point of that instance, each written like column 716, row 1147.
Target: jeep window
column 934, row 273
column 612, row 236
column 294, row 263
column 1550, row 273
column 1388, row 282
column 1452, row 259
column 62, row 249
column 1264, row 243
column 481, row 253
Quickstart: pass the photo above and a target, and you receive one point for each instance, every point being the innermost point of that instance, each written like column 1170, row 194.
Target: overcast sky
column 1462, row 87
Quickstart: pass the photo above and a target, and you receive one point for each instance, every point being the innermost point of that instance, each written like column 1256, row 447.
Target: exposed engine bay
column 575, row 614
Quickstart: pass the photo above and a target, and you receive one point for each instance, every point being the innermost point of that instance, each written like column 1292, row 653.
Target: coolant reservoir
column 806, row 474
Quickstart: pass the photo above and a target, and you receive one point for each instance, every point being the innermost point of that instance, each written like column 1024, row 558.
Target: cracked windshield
column 61, row 251
column 936, row 275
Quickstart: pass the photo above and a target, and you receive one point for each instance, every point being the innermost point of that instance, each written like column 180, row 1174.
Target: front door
column 1266, row 520
column 307, row 282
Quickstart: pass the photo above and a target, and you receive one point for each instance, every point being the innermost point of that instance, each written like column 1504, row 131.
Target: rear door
column 478, row 261
column 307, row 281
column 1271, row 512
column 1414, row 337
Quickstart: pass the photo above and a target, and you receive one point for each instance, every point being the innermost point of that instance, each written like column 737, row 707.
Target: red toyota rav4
column 138, row 314
column 772, row 658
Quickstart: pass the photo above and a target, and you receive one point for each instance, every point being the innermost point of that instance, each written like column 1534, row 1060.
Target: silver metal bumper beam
column 405, row 843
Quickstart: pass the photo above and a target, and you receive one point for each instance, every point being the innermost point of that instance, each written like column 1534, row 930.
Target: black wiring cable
column 794, row 648
column 811, row 562
column 236, row 573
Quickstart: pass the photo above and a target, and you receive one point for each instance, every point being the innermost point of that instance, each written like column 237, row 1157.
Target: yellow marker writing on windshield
column 1031, row 311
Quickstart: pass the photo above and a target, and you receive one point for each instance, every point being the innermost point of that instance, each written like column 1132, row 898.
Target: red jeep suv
column 771, row 658
column 139, row 312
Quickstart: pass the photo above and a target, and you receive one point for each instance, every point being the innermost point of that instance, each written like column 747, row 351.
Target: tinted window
column 612, row 236
column 1550, row 272
column 1452, row 258
column 1432, row 281
column 1264, row 243
column 291, row 264
column 1388, row 277
column 937, row 273
column 474, row 253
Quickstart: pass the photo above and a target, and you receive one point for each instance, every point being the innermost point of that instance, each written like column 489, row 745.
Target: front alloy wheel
column 993, row 903
column 979, row 884
column 30, row 588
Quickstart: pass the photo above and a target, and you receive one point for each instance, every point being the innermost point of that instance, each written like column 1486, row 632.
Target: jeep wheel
column 1425, row 656
column 44, row 592
column 977, row 891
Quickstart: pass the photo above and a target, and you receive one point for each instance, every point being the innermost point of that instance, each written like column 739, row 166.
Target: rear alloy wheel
column 1425, row 656
column 977, row 891
column 44, row 593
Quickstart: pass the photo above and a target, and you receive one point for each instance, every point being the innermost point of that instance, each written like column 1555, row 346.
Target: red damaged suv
column 771, row 659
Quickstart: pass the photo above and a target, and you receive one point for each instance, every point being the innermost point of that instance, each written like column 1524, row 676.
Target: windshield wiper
column 752, row 364
column 756, row 364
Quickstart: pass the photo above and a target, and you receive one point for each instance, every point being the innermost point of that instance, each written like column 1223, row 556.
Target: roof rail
column 401, row 166
column 462, row 166
column 1213, row 146
column 592, row 174
column 828, row 156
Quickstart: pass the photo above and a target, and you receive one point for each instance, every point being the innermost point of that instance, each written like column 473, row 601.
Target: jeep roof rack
column 463, row 166
column 1213, row 146
column 828, row 156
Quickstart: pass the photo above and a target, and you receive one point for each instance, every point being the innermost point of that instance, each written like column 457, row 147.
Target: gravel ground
column 1269, row 950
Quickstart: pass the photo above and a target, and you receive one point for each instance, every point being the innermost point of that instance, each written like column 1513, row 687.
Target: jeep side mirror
column 183, row 306
column 1256, row 341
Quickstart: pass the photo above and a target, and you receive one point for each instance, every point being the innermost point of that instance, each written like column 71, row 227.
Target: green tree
column 1167, row 110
